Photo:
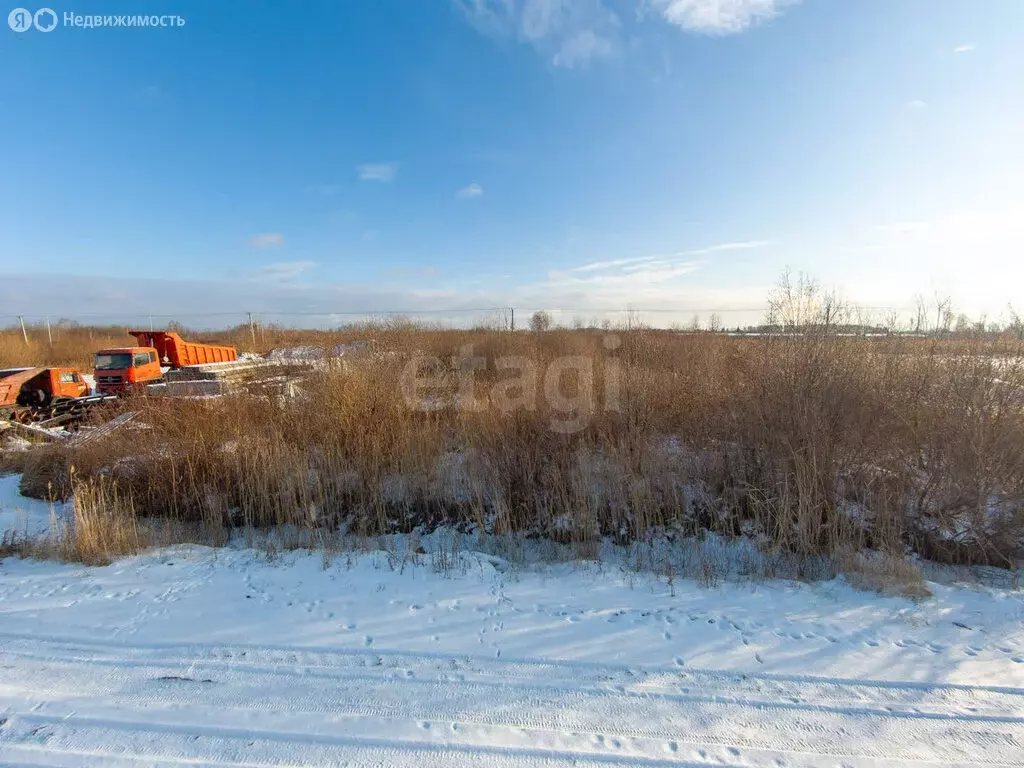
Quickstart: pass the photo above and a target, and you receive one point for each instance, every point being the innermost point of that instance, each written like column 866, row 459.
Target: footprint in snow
column 872, row 643
column 367, row 641
column 680, row 661
column 667, row 635
column 1017, row 659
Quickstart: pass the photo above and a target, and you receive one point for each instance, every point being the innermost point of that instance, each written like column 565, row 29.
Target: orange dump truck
column 124, row 368
column 40, row 387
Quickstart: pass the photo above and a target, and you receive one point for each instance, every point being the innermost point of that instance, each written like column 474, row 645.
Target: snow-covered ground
column 225, row 657
column 20, row 516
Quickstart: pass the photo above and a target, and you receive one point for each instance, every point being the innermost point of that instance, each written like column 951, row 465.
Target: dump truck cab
column 121, row 369
column 41, row 387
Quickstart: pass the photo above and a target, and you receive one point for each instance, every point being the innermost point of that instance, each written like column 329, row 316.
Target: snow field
column 221, row 657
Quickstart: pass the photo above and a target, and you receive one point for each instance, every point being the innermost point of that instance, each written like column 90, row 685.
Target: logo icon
column 45, row 19
column 20, row 19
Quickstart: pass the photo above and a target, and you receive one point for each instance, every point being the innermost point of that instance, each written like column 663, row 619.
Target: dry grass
column 811, row 443
column 883, row 573
column 72, row 345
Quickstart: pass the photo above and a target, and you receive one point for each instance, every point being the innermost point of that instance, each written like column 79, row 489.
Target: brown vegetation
column 811, row 443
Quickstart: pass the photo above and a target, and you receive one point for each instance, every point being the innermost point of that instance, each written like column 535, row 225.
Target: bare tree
column 1016, row 325
column 921, row 319
column 540, row 321
column 794, row 304
column 943, row 312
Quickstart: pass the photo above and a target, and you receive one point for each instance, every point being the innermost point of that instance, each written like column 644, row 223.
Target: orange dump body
column 178, row 353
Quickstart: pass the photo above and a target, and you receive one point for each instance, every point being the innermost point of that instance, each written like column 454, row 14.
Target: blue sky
column 580, row 155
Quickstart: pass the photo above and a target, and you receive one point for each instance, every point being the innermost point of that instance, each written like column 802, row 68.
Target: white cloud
column 471, row 191
column 283, row 271
column 384, row 172
column 965, row 48
column 267, row 240
column 570, row 33
column 719, row 17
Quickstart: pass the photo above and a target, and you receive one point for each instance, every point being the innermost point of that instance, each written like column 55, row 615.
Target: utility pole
column 24, row 333
column 252, row 330
column 513, row 317
column 49, row 335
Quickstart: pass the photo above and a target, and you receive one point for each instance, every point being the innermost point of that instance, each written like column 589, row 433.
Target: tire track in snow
column 128, row 741
column 600, row 717
column 689, row 684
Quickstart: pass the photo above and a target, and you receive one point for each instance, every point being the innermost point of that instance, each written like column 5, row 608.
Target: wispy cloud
column 635, row 264
column 384, row 172
column 641, row 272
column 569, row 33
column 916, row 105
column 743, row 245
column 470, row 191
column 965, row 48
column 581, row 48
column 719, row 17
column 283, row 271
column 266, row 240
